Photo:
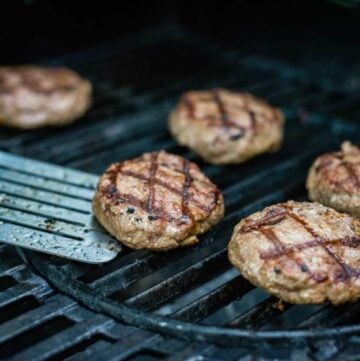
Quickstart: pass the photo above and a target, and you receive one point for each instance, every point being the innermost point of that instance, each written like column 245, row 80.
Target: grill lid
column 47, row 208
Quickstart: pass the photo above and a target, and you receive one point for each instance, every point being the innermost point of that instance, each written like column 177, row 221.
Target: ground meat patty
column 32, row 97
column 301, row 252
column 223, row 126
column 158, row 201
column 334, row 179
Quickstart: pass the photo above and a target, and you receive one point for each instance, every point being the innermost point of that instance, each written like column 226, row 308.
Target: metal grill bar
column 128, row 270
column 260, row 315
column 157, row 295
column 331, row 316
column 214, row 300
column 55, row 306
column 126, row 348
column 20, row 291
column 65, row 339
column 40, row 322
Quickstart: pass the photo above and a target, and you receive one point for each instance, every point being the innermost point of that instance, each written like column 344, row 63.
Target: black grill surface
column 189, row 303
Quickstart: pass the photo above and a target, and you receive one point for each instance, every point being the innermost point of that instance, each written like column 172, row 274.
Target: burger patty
column 224, row 126
column 301, row 252
column 32, row 97
column 158, row 201
column 334, row 179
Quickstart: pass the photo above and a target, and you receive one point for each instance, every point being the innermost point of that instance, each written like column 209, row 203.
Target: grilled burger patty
column 301, row 252
column 334, row 179
column 224, row 126
column 158, row 201
column 32, row 97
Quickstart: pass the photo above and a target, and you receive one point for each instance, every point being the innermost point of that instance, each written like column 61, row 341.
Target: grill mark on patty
column 352, row 242
column 274, row 216
column 34, row 84
column 280, row 249
column 174, row 168
column 221, row 106
column 184, row 194
column 29, row 81
column 320, row 241
column 111, row 192
column 178, row 170
column 189, row 104
column 153, row 169
column 226, row 122
column 38, row 89
column 352, row 175
column 325, row 164
column 167, row 186
column 271, row 236
column 253, row 118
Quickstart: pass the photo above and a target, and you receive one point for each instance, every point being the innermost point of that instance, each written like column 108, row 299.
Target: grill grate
column 196, row 285
column 136, row 286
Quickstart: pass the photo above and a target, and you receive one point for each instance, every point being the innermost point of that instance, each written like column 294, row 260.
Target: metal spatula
column 47, row 208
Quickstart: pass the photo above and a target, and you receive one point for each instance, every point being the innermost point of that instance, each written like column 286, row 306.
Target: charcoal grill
column 188, row 303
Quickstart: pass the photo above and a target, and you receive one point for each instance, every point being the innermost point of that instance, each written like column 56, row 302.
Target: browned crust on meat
column 170, row 201
column 300, row 252
column 334, row 179
column 225, row 126
column 33, row 96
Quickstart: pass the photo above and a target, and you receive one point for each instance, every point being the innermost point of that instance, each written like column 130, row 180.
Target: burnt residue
column 50, row 223
column 236, row 136
column 353, row 242
column 304, row 268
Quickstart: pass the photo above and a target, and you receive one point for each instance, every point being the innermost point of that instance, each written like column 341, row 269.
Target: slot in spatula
column 47, row 208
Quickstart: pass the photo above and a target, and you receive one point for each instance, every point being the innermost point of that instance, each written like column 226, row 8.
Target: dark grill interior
column 137, row 82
